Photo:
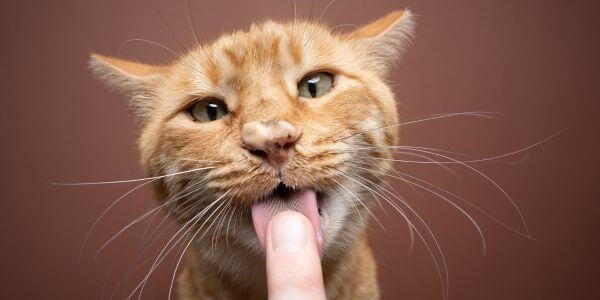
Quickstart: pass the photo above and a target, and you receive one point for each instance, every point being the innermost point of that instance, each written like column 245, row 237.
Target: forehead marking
column 211, row 70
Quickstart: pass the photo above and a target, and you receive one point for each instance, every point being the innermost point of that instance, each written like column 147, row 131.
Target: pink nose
column 271, row 140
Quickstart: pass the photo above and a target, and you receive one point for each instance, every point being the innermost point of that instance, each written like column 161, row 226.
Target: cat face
column 283, row 116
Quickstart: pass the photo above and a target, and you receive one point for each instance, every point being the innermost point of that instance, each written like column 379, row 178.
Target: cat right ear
column 136, row 80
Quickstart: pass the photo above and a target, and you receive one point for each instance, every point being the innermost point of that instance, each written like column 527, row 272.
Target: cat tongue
column 304, row 202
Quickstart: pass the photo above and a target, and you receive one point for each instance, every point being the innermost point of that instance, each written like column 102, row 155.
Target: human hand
column 293, row 260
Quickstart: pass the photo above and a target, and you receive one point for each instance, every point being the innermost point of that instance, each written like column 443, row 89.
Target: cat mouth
column 283, row 198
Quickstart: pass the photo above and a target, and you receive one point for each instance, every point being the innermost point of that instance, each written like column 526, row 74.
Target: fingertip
column 293, row 259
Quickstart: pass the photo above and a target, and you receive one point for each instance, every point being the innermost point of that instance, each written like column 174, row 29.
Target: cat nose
column 271, row 140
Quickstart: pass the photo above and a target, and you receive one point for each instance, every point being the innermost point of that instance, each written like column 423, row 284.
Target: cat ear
column 385, row 39
column 135, row 80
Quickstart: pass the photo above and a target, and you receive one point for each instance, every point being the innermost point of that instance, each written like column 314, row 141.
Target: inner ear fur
column 135, row 80
column 385, row 39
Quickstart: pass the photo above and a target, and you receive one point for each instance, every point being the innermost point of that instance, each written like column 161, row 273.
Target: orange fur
column 256, row 74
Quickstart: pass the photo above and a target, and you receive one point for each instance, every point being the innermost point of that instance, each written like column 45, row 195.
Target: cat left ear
column 135, row 80
column 385, row 39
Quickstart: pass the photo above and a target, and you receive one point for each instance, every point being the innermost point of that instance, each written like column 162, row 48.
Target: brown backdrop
column 533, row 61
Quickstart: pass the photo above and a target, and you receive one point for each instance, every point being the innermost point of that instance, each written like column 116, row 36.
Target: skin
column 255, row 74
column 293, row 260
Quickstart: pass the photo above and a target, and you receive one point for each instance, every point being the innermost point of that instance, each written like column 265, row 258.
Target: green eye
column 315, row 85
column 208, row 110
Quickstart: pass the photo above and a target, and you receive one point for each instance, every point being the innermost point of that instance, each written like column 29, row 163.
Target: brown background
column 536, row 62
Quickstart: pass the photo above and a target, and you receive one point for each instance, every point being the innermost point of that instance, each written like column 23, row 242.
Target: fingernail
column 288, row 232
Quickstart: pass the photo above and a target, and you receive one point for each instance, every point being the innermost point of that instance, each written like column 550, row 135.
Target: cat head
column 282, row 113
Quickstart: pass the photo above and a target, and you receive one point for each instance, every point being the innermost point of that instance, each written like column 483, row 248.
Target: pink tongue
column 304, row 202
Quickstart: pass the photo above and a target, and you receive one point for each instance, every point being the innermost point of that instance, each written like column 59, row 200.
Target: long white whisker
column 146, row 41
column 161, row 257
column 153, row 239
column 229, row 223
column 512, row 202
column 481, row 114
column 132, row 180
column 172, row 200
column 191, row 240
column 87, row 235
column 439, row 249
column 454, row 161
column 191, row 21
column 137, row 220
column 359, row 201
column 467, row 215
column 325, row 9
column 479, row 209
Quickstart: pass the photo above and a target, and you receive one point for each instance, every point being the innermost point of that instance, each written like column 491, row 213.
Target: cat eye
column 208, row 110
column 315, row 85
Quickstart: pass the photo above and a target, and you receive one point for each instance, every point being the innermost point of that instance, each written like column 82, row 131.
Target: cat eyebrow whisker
column 191, row 20
column 173, row 52
column 325, row 9
column 125, row 43
column 344, row 25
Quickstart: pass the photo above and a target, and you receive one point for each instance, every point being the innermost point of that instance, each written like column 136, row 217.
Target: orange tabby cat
column 283, row 116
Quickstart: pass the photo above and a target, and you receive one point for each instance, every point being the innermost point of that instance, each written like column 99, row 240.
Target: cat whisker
column 460, row 209
column 310, row 11
column 172, row 32
column 487, row 178
column 174, row 54
column 161, row 256
column 295, row 10
column 358, row 199
column 477, row 208
column 191, row 21
column 153, row 238
column 455, row 161
column 123, row 44
column 88, row 234
column 137, row 220
column 194, row 238
column 410, row 228
column 185, row 211
column 219, row 226
column 135, row 266
column 428, row 160
column 132, row 180
column 185, row 225
column 325, row 9
column 444, row 278
column 150, row 180
column 229, row 223
column 344, row 25
column 480, row 114
column 169, row 28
